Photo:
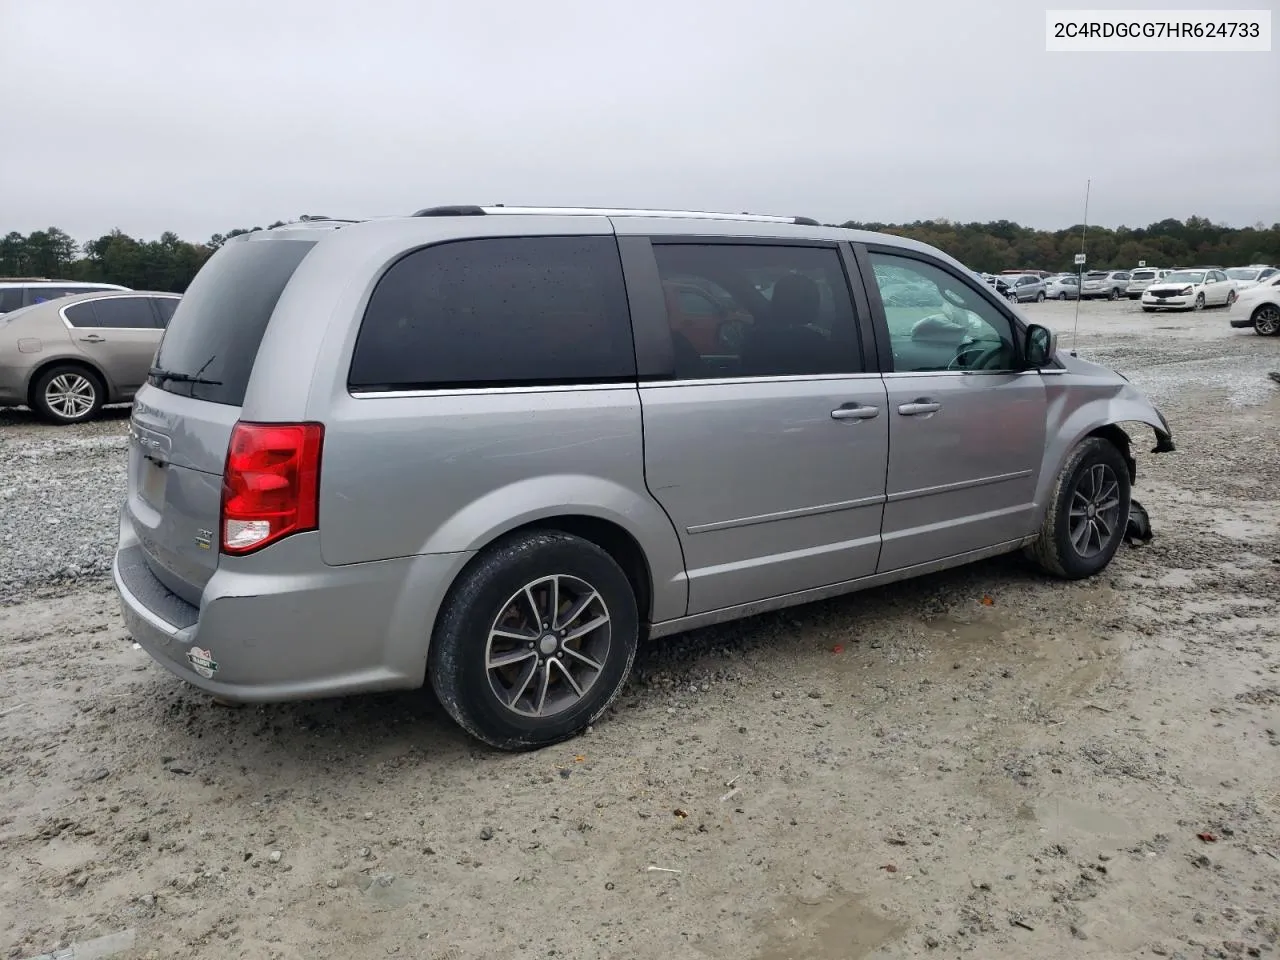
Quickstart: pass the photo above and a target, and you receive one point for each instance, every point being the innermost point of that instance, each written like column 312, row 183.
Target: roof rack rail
column 470, row 210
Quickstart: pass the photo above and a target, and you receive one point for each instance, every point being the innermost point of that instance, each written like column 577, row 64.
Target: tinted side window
column 10, row 299
column 82, row 315
column 123, row 313
column 957, row 329
column 498, row 312
column 164, row 307
column 774, row 310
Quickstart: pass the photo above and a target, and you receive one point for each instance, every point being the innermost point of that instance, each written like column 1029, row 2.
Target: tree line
column 170, row 262
column 1002, row 245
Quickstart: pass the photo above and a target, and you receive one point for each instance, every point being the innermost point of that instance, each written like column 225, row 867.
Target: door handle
column 93, row 338
column 919, row 407
column 855, row 411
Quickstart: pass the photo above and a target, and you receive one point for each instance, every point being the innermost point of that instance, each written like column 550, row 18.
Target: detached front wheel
column 1087, row 514
column 535, row 641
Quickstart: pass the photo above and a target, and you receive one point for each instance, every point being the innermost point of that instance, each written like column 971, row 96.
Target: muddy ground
column 983, row 763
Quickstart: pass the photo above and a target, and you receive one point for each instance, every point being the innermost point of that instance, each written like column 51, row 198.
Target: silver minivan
column 495, row 449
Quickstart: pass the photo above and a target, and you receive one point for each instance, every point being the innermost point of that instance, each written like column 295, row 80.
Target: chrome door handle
column 919, row 408
column 855, row 411
column 93, row 338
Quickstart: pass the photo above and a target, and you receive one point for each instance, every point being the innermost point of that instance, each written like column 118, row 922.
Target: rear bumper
column 285, row 626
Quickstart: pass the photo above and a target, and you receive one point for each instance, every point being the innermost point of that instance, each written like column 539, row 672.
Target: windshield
column 1243, row 273
column 1185, row 276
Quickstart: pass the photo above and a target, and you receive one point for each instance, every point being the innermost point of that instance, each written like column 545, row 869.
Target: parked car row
column 1212, row 286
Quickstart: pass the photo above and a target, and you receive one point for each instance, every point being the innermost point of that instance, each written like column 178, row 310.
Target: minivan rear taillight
column 271, row 484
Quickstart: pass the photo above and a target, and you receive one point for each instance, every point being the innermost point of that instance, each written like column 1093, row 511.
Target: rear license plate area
column 151, row 483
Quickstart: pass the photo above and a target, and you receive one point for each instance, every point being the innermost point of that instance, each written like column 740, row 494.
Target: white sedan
column 1190, row 290
column 1246, row 277
column 1259, row 307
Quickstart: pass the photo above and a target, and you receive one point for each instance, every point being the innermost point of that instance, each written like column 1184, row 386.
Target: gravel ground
column 980, row 763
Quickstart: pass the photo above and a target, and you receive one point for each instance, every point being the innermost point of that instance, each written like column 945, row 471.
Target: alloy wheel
column 548, row 645
column 70, row 395
column 1266, row 321
column 1094, row 514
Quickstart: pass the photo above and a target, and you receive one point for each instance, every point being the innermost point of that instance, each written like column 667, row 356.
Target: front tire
column 1148, row 309
column 1231, row 299
column 1040, row 297
column 1062, row 295
column 66, row 394
column 1266, row 320
column 1199, row 304
column 1084, row 524
column 517, row 682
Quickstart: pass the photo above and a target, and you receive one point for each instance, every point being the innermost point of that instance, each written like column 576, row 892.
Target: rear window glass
column 497, row 312
column 218, row 326
column 1144, row 274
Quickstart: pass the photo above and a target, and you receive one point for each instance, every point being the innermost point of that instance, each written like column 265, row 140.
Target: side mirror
column 1040, row 347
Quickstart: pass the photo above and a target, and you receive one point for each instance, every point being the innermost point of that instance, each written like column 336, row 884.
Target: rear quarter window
column 219, row 323
column 525, row 311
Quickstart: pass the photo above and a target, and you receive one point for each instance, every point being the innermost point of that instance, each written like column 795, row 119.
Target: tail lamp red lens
column 271, row 484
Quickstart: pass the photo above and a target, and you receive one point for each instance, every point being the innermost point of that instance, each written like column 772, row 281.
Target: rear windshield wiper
column 181, row 377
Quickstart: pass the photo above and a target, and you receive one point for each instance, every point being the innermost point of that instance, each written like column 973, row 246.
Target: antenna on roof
column 1084, row 228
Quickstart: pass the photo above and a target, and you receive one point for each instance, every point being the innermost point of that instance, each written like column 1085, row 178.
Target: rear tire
column 1114, row 294
column 67, row 393
column 1266, row 320
column 518, row 684
column 1075, row 541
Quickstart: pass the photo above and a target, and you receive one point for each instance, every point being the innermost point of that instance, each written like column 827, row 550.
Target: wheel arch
column 609, row 536
column 625, row 523
column 1104, row 418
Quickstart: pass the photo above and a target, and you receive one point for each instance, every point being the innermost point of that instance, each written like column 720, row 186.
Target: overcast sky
column 152, row 115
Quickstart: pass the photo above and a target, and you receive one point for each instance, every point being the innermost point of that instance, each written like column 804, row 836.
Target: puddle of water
column 1239, row 528
column 1179, row 578
column 982, row 630
column 1063, row 813
column 833, row 929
